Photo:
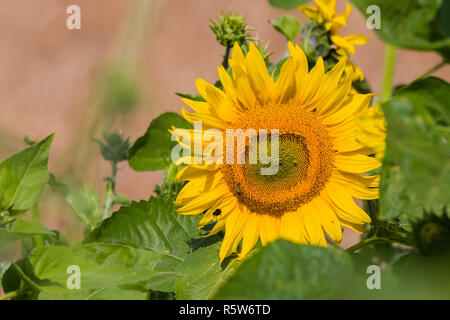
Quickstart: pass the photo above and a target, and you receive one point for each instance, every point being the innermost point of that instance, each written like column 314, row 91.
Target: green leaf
column 101, row 265
column 284, row 270
column 23, row 177
column 84, row 201
column 422, row 277
column 287, row 25
column 275, row 69
column 4, row 265
column 413, row 24
column 153, row 150
column 195, row 97
column 287, row 4
column 416, row 166
column 20, row 275
column 203, row 274
column 109, row 293
column 152, row 225
column 31, row 228
column 21, row 229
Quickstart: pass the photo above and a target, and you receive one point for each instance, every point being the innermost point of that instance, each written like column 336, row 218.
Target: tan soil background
column 49, row 74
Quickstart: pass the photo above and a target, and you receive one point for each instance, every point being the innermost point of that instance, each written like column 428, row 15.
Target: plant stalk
column 433, row 69
column 388, row 74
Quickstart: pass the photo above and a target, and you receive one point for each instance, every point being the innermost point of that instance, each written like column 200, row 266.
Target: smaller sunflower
column 325, row 13
column 372, row 130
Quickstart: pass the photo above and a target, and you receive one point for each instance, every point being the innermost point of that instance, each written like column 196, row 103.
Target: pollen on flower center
column 292, row 165
column 305, row 162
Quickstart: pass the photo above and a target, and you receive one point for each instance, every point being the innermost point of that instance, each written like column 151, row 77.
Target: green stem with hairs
column 226, row 57
column 433, row 69
column 11, row 295
column 388, row 74
column 110, row 192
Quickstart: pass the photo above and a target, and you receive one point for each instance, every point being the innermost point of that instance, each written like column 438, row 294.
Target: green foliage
column 413, row 24
column 287, row 25
column 153, row 150
column 101, row 265
column 146, row 250
column 203, row 274
column 23, row 178
column 316, row 42
column 195, row 97
column 416, row 166
column 287, row 4
column 84, row 201
column 284, row 270
column 432, row 234
column 422, row 277
column 120, row 91
column 152, row 225
column 21, row 229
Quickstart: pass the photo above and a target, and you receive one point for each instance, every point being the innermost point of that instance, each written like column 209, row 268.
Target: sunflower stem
column 367, row 242
column 11, row 295
column 110, row 192
column 376, row 239
column 226, row 57
column 434, row 69
column 30, row 283
column 388, row 75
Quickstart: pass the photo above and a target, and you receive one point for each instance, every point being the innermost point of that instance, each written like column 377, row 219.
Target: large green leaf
column 287, row 4
column 84, row 201
column 152, row 225
column 284, row 270
column 153, row 150
column 416, row 165
column 100, row 265
column 105, row 293
column 203, row 274
column 23, row 177
column 413, row 24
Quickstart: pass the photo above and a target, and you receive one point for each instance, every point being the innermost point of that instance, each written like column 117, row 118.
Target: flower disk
column 321, row 165
column 305, row 162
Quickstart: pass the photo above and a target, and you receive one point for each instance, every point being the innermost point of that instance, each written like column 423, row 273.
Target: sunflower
column 325, row 13
column 372, row 130
column 322, row 165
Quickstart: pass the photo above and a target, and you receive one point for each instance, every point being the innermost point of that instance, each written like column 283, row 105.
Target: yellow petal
column 234, row 225
column 357, row 163
column 347, row 208
column 292, row 227
column 328, row 219
column 313, row 225
column 259, row 78
column 251, row 234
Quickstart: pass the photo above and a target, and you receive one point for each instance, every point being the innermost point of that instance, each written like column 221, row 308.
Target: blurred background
column 120, row 71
